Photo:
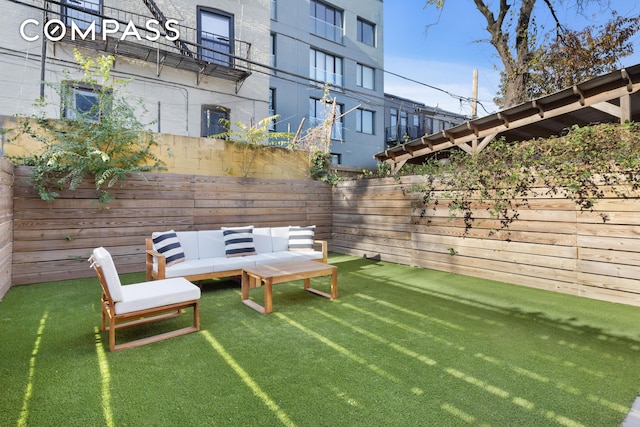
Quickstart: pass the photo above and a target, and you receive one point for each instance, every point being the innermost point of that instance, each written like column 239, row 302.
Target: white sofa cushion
column 280, row 239
column 189, row 268
column 233, row 263
column 141, row 296
column 276, row 257
column 104, row 260
column 238, row 241
column 262, row 240
column 189, row 242
column 211, row 244
column 301, row 238
column 307, row 255
column 168, row 244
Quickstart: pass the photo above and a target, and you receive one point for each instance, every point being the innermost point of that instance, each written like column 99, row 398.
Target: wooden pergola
column 608, row 98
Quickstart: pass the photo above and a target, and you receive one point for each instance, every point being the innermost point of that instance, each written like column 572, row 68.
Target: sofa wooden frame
column 151, row 254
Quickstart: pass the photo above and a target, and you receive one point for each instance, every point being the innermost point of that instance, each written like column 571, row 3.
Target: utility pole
column 474, row 96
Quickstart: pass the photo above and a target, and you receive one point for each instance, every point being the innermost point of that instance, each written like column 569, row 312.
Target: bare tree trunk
column 514, row 58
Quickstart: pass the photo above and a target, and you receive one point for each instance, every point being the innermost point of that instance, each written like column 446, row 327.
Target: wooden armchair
column 136, row 304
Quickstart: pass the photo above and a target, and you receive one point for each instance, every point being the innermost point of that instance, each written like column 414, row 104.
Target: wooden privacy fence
column 52, row 241
column 553, row 245
column 6, row 225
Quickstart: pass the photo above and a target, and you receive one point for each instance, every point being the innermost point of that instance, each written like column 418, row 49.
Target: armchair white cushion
column 130, row 305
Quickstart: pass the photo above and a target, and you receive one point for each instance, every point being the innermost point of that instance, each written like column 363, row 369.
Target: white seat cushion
column 234, row 263
column 306, row 255
column 276, row 257
column 188, row 268
column 141, row 296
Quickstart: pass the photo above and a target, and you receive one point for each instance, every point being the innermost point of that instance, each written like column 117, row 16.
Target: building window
column 429, row 126
column 393, row 124
column 214, row 119
column 325, row 67
column 215, row 36
column 365, row 77
column 272, row 108
column 83, row 13
column 402, row 128
column 366, row 32
column 319, row 110
column 326, row 21
column 274, row 9
column 364, row 121
column 272, row 61
column 82, row 102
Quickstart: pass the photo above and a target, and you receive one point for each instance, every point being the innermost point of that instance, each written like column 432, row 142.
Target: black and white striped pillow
column 301, row 238
column 166, row 243
column 238, row 241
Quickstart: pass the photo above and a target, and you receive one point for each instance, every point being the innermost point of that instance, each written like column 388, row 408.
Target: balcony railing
column 400, row 134
column 130, row 34
column 326, row 30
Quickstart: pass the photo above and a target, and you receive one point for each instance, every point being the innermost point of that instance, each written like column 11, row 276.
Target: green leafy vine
column 505, row 175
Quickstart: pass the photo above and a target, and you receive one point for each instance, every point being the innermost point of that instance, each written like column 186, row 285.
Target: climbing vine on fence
column 505, row 175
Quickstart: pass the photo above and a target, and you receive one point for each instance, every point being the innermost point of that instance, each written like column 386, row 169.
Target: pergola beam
column 597, row 100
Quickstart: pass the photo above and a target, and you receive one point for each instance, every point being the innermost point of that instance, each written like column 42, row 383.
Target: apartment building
column 190, row 62
column 406, row 120
column 334, row 44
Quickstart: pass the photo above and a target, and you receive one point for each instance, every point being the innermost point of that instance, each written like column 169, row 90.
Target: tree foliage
column 535, row 63
column 107, row 142
column 571, row 57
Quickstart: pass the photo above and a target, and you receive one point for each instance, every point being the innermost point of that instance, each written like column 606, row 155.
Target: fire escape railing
column 185, row 52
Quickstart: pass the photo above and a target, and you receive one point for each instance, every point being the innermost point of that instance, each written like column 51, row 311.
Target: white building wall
column 173, row 99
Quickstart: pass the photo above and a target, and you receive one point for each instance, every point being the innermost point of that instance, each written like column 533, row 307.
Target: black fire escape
column 185, row 53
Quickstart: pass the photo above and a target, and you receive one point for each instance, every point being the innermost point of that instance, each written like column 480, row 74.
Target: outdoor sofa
column 209, row 254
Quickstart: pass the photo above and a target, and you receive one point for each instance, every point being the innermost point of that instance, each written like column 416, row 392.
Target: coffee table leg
column 334, row 284
column 268, row 302
column 245, row 285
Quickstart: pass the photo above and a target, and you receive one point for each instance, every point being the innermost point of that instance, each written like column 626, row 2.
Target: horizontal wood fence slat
column 52, row 241
column 553, row 245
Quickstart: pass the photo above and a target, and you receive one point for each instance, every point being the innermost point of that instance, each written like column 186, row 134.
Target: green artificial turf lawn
column 401, row 346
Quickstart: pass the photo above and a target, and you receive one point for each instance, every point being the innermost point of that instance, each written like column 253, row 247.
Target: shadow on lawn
column 531, row 305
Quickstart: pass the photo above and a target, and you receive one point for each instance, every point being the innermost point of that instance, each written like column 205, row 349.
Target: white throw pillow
column 301, row 238
column 238, row 241
column 166, row 243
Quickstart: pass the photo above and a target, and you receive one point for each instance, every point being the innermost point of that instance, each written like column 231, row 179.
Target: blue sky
column 439, row 49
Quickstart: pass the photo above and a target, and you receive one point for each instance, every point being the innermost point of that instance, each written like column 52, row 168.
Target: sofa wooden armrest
column 323, row 248
column 150, row 254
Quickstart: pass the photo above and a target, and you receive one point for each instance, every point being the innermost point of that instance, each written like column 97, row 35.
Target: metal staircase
column 157, row 13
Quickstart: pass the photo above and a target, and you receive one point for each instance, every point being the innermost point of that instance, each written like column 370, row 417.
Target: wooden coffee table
column 286, row 272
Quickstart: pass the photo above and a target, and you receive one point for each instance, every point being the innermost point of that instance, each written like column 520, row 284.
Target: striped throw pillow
column 166, row 243
column 301, row 238
column 238, row 241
